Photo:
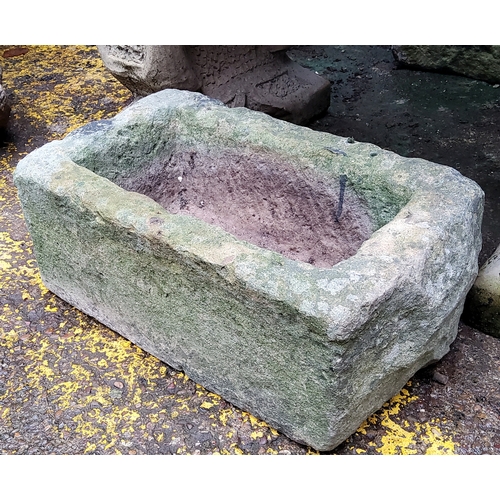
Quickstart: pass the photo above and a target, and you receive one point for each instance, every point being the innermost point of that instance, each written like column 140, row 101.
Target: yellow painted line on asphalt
column 401, row 437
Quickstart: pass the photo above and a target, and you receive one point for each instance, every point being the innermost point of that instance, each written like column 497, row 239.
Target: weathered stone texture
column 481, row 62
column 483, row 302
column 311, row 350
column 262, row 78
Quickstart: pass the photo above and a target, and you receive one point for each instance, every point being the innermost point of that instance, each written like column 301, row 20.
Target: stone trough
column 302, row 276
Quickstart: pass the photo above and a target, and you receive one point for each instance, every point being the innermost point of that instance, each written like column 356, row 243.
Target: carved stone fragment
column 262, row 78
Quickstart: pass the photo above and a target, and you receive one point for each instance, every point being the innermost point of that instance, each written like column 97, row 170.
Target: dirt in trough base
column 258, row 199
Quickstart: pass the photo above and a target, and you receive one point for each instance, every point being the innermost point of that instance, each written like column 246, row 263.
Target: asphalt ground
column 69, row 385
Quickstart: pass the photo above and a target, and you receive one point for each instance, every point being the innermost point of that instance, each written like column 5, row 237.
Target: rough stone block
column 482, row 308
column 302, row 276
column 481, row 62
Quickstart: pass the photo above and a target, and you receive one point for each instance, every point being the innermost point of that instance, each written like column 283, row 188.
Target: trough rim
column 413, row 222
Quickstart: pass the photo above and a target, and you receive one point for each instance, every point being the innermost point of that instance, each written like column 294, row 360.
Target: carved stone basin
column 302, row 276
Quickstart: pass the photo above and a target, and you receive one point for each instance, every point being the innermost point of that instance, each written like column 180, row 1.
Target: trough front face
column 300, row 275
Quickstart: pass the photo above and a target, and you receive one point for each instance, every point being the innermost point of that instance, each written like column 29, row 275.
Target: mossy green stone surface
column 312, row 351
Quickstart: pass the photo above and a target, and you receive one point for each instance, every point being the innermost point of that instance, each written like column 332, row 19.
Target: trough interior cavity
column 260, row 200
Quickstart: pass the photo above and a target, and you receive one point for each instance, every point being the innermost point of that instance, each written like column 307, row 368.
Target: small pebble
column 118, row 384
column 440, row 378
column 373, row 153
